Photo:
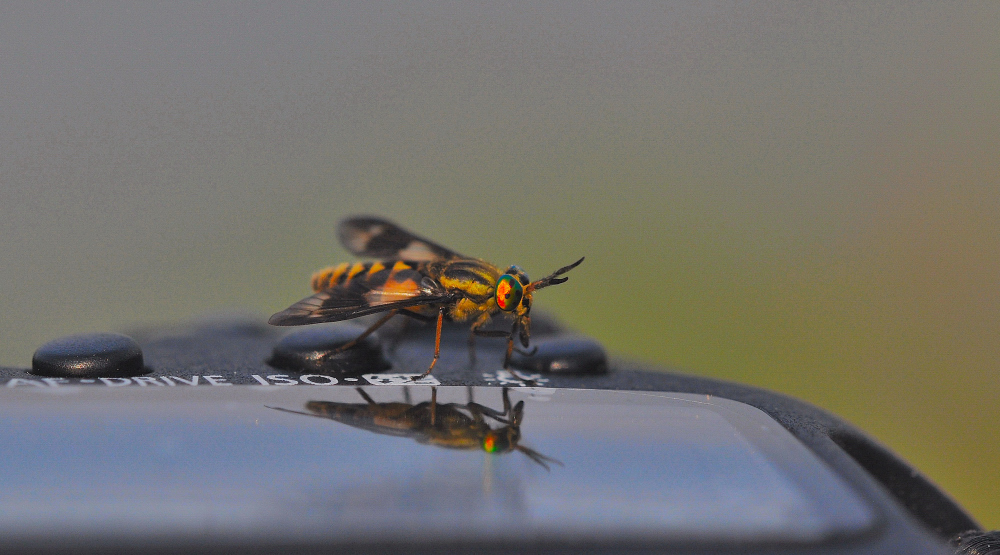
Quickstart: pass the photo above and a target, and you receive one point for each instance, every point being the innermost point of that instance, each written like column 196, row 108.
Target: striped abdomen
column 373, row 274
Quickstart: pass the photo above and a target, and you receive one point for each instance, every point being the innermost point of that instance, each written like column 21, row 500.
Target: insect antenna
column 538, row 457
column 554, row 278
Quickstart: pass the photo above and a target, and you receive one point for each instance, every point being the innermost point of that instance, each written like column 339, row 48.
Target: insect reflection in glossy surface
column 449, row 425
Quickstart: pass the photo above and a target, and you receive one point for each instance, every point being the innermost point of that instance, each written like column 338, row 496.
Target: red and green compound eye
column 509, row 292
column 489, row 443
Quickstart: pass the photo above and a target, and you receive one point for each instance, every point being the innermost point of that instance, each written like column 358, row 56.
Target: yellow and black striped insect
column 450, row 425
column 420, row 279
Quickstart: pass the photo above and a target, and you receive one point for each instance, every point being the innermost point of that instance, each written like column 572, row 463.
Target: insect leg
column 416, row 316
column 364, row 334
column 510, row 345
column 490, row 333
column 406, row 326
column 365, row 396
column 437, row 345
column 479, row 410
column 472, row 335
column 482, row 410
column 434, row 403
column 399, row 336
column 482, row 333
column 510, row 349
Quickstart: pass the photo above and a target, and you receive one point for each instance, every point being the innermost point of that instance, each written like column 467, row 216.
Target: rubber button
column 564, row 355
column 311, row 349
column 89, row 355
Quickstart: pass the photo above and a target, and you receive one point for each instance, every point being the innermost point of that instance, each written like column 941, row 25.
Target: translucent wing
column 360, row 297
column 372, row 237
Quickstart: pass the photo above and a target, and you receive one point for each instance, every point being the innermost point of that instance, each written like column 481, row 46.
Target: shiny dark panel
column 269, row 462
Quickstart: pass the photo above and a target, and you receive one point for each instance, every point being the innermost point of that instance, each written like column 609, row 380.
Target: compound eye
column 509, row 292
column 495, row 443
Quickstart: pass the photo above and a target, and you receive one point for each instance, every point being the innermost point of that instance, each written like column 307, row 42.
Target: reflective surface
column 211, row 462
column 449, row 425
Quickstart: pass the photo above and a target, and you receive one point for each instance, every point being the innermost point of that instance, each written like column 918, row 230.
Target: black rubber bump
column 89, row 355
column 310, row 349
column 564, row 355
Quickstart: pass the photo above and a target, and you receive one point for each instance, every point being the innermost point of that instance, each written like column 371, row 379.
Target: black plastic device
column 229, row 435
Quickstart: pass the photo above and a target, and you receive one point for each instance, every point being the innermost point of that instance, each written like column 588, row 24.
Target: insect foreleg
column 473, row 332
column 437, row 345
column 406, row 326
column 434, row 394
column 481, row 333
column 510, row 349
column 483, row 410
column 416, row 316
column 510, row 345
column 365, row 396
column 490, row 333
column 364, row 334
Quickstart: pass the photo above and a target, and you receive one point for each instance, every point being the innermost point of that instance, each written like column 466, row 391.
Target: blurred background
column 799, row 196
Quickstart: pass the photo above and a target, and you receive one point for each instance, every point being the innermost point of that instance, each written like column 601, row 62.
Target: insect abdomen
column 338, row 275
column 395, row 275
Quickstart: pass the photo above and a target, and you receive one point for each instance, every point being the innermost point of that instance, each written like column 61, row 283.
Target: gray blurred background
column 801, row 196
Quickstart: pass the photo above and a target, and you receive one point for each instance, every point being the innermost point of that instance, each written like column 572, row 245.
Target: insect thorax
column 475, row 278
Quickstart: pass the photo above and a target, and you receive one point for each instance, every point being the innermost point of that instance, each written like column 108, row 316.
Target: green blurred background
column 800, row 196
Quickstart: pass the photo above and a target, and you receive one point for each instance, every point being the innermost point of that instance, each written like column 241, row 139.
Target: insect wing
column 372, row 237
column 396, row 418
column 360, row 297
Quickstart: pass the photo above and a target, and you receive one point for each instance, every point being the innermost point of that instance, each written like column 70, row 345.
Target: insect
column 420, row 279
column 450, row 425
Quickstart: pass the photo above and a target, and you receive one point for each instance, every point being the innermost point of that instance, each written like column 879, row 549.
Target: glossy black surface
column 411, row 463
column 89, row 355
column 311, row 349
column 147, row 422
column 563, row 355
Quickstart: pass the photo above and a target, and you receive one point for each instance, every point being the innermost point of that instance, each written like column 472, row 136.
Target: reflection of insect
column 451, row 425
column 417, row 278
